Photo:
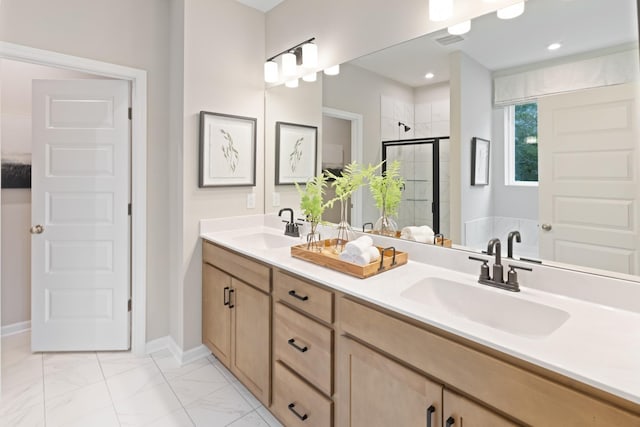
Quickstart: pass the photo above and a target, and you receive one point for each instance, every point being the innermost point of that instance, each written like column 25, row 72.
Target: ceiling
column 262, row 5
column 580, row 25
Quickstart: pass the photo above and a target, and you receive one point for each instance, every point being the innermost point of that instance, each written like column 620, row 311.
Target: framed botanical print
column 296, row 153
column 479, row 161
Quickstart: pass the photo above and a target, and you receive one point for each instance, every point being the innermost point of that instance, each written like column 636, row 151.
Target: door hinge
column 129, row 209
column 129, row 305
column 130, row 113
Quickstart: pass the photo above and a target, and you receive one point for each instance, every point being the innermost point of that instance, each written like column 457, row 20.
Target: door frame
column 138, row 237
column 356, row 151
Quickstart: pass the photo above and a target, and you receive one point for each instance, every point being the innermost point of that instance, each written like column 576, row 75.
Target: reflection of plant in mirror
column 296, row 155
column 311, row 203
column 387, row 189
column 229, row 151
column 352, row 177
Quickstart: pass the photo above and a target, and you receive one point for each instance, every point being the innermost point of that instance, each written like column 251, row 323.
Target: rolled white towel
column 425, row 229
column 362, row 259
column 345, row 256
column 423, row 238
column 408, row 232
column 374, row 253
column 359, row 245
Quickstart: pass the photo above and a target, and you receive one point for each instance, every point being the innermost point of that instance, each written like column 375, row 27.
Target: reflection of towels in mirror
column 422, row 234
column 332, row 156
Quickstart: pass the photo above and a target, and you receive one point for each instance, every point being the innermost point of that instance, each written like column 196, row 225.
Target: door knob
column 37, row 229
column 546, row 227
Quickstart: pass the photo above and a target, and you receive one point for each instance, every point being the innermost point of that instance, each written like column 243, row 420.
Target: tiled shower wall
column 479, row 231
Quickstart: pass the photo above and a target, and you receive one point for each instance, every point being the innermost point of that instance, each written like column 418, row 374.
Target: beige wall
column 130, row 33
column 223, row 54
column 15, row 127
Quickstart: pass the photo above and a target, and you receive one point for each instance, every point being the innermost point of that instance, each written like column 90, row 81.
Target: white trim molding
column 357, row 145
column 15, row 328
column 184, row 357
column 138, row 79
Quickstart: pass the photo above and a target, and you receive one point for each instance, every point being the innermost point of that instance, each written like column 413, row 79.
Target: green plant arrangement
column 353, row 177
column 313, row 206
column 387, row 194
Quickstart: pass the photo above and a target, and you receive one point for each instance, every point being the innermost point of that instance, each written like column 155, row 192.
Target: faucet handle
column 512, row 274
column 484, row 268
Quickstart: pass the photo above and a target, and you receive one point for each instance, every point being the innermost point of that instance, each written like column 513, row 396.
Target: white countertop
column 598, row 345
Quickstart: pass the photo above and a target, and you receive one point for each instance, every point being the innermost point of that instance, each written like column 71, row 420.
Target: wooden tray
column 439, row 241
column 328, row 258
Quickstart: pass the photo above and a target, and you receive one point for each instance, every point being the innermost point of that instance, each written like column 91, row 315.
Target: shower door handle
column 36, row 229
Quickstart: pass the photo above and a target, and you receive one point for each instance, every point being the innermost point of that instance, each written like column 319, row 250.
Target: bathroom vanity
column 417, row 345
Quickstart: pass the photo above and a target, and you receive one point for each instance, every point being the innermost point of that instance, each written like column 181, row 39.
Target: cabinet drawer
column 248, row 271
column 296, row 403
column 305, row 346
column 303, row 295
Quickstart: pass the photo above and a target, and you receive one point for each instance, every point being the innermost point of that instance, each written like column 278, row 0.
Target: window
column 522, row 144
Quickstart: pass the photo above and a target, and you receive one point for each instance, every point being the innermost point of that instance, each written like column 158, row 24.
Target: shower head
column 406, row 128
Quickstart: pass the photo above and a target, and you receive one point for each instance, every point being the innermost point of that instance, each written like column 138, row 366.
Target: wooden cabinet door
column 461, row 412
column 216, row 316
column 251, row 310
column 376, row 391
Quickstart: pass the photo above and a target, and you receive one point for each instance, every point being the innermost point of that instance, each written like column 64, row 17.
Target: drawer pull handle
column 292, row 407
column 225, row 295
column 231, row 291
column 450, row 421
column 430, row 410
column 295, row 295
column 292, row 343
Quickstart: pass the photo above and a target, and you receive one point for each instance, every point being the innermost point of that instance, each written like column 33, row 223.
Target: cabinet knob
column 450, row 421
column 430, row 410
column 292, row 408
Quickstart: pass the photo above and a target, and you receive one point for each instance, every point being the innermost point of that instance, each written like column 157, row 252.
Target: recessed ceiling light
column 429, row 76
column 554, row 46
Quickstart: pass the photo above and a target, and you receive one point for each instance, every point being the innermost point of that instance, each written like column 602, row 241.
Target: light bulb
column 289, row 65
column 512, row 11
column 440, row 10
column 270, row 72
column 309, row 55
column 291, row 83
column 311, row 77
column 461, row 28
column 332, row 71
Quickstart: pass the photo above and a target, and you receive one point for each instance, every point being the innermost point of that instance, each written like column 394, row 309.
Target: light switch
column 251, row 201
column 275, row 199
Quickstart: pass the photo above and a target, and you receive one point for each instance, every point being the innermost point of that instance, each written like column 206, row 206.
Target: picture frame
column 480, row 150
column 296, row 153
column 227, row 150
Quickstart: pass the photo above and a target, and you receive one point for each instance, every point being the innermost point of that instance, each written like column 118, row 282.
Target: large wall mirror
column 562, row 126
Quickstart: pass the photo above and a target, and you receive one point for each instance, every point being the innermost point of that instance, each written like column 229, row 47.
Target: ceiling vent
column 448, row 39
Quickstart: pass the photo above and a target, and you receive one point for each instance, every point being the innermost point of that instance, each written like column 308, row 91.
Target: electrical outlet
column 251, row 201
column 275, row 199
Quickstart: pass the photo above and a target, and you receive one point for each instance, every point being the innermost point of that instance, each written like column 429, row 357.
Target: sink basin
column 489, row 307
column 265, row 240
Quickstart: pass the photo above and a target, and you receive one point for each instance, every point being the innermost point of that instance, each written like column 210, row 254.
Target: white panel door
column 80, row 235
column 589, row 188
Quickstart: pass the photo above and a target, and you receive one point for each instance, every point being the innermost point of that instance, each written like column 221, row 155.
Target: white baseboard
column 184, row 357
column 15, row 328
column 156, row 345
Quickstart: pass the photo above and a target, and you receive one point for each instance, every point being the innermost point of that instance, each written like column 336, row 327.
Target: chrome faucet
column 512, row 234
column 498, row 280
column 291, row 229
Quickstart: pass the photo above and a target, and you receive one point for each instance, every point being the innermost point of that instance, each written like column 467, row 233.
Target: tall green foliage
column 526, row 155
column 353, row 177
column 387, row 189
column 311, row 197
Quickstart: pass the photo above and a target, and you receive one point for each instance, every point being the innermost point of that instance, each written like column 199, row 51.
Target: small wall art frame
column 480, row 161
column 227, row 150
column 296, row 153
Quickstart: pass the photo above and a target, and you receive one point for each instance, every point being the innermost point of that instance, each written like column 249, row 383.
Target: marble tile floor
column 119, row 389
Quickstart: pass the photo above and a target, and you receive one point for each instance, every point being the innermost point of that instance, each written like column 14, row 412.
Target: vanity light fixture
column 440, row 10
column 304, row 54
column 459, row 29
column 512, row 11
column 311, row 77
column 429, row 76
column 554, row 46
column 332, row 71
column 291, row 83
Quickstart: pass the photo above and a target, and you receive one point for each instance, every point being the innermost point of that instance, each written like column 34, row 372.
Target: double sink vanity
column 422, row 344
